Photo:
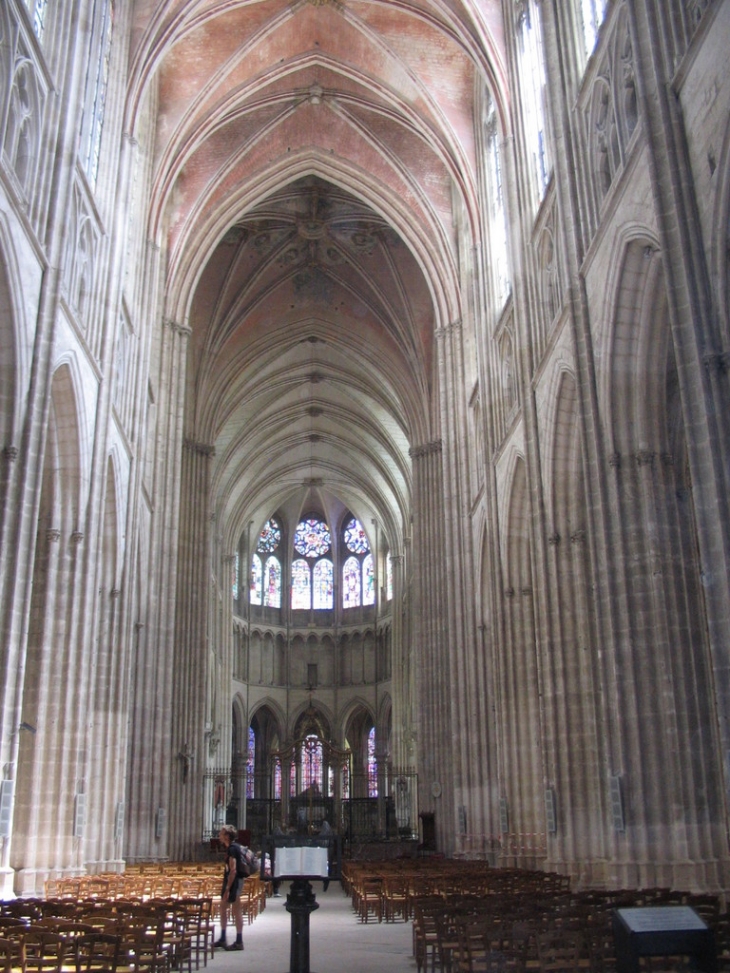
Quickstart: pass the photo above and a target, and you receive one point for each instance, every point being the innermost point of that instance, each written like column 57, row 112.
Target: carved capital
column 77, row 536
column 426, row 449
column 718, row 363
column 509, row 592
column 183, row 330
column 454, row 328
column 200, row 449
column 53, row 534
column 553, row 539
column 10, row 453
column 644, row 457
column 578, row 536
column 614, row 460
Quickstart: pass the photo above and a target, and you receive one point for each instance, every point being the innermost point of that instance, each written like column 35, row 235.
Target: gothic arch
column 720, row 268
column 436, row 264
column 109, row 683
column 572, row 699
column 11, row 370
column 519, row 690
column 665, row 645
column 54, row 765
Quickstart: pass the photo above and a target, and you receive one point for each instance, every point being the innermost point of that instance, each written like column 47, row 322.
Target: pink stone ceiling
column 306, row 159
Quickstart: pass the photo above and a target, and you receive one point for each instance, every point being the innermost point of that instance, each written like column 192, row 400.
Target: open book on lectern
column 301, row 860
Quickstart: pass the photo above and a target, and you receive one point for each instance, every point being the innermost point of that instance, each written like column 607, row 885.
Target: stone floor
column 337, row 941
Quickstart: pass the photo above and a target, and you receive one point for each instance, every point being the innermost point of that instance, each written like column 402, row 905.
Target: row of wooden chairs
column 386, row 891
column 153, row 885
column 154, row 937
column 528, row 933
column 470, row 918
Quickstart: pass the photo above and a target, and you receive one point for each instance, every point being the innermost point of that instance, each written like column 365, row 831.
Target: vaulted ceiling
column 307, row 159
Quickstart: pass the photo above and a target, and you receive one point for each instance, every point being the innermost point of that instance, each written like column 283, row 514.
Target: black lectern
column 302, row 860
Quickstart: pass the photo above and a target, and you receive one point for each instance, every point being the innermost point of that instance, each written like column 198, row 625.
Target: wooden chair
column 425, row 931
column 98, row 952
column 370, row 898
column 562, row 951
column 396, row 903
column 46, row 951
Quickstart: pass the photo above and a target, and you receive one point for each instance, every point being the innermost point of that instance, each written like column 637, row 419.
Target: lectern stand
column 300, row 903
column 301, row 861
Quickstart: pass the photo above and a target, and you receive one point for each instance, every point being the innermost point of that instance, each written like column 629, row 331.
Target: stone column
column 19, row 517
column 191, row 645
column 430, row 640
column 151, row 754
column 698, row 342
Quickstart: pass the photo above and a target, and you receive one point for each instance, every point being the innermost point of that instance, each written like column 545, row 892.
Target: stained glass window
column 355, row 538
column 250, row 763
column 277, row 779
column 312, row 538
column 389, row 578
column 593, row 12
column 323, row 584
column 311, row 755
column 372, row 766
column 351, row 583
column 272, row 583
column 39, row 16
column 257, row 581
column 235, row 579
column 532, row 78
column 269, row 538
column 499, row 250
column 345, row 781
column 301, row 587
column 368, row 580
column 96, row 87
column 358, row 571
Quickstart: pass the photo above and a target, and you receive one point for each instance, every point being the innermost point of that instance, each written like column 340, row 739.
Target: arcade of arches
column 364, row 430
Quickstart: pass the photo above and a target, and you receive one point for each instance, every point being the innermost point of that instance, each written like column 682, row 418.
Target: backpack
column 245, row 863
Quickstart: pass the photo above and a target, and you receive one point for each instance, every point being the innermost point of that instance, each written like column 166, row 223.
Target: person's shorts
column 235, row 889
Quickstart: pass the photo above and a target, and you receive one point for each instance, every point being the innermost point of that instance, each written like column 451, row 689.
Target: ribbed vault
column 308, row 157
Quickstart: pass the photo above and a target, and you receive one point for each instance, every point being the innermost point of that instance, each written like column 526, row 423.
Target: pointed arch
column 665, row 642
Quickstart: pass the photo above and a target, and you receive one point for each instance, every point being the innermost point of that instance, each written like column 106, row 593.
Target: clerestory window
column 97, row 79
column 266, row 567
column 592, row 13
column 358, row 570
column 533, row 85
column 312, row 573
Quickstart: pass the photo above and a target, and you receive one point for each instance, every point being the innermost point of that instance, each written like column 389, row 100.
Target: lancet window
column 532, row 82
column 358, row 570
column 266, row 567
column 372, row 766
column 251, row 763
column 497, row 215
column 592, row 12
column 312, row 573
column 38, row 10
column 235, row 576
column 97, row 78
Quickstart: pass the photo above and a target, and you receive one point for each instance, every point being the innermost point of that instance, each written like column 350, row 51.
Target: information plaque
column 672, row 930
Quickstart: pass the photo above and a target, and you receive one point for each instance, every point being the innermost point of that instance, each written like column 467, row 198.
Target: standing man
column 235, row 872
